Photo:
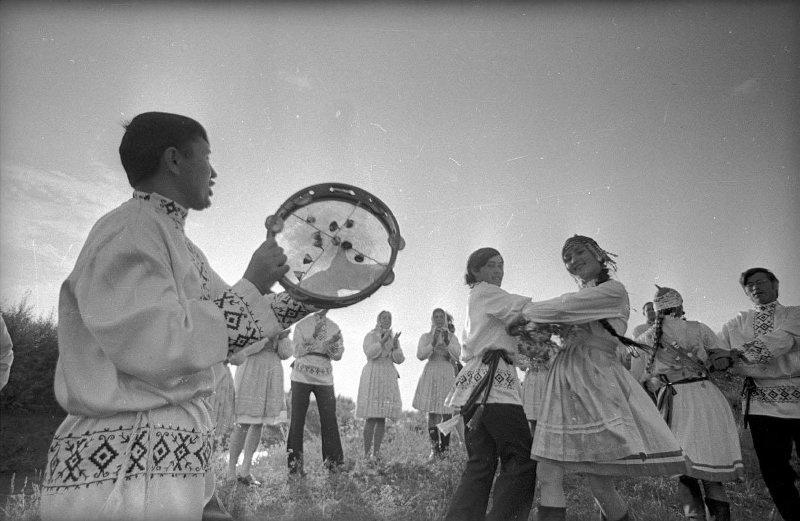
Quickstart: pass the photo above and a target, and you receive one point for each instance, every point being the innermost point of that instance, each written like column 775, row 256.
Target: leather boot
column 718, row 510
column 544, row 513
column 691, row 498
column 445, row 446
column 433, row 432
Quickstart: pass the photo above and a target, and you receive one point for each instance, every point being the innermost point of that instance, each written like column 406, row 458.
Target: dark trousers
column 332, row 452
column 503, row 433
column 773, row 439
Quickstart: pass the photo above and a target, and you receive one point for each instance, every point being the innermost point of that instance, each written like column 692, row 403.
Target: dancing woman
column 695, row 409
column 487, row 391
column 595, row 417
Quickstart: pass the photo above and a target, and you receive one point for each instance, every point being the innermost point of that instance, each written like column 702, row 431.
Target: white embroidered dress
column 701, row 416
column 595, row 416
column 378, row 389
column 259, row 382
column 142, row 320
column 438, row 374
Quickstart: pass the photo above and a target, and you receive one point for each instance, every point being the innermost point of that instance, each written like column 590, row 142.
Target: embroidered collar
column 767, row 308
column 163, row 205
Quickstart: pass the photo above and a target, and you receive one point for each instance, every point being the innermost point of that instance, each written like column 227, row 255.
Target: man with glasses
column 763, row 344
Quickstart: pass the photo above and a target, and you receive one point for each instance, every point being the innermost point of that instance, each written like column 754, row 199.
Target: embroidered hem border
column 81, row 460
column 502, row 378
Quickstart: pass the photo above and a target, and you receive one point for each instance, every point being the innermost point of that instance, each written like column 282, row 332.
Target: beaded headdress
column 666, row 298
column 589, row 243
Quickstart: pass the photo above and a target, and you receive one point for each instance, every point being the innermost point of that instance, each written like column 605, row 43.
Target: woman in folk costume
column 695, row 409
column 440, row 348
column 533, row 386
column 378, row 389
column 259, row 398
column 595, row 417
column 222, row 402
column 488, row 393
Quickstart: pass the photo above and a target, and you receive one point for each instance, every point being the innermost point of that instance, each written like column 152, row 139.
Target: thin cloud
column 44, row 219
column 746, row 88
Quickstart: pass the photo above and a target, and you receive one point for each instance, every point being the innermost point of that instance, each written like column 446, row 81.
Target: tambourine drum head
column 336, row 250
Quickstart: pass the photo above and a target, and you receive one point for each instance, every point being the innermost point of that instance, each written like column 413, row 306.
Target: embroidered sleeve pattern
column 756, row 352
column 287, row 310
column 243, row 329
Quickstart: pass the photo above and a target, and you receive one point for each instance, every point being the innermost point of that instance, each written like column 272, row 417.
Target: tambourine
column 341, row 243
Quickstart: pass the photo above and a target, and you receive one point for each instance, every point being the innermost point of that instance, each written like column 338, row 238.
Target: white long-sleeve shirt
column 489, row 308
column 770, row 336
column 311, row 369
column 143, row 317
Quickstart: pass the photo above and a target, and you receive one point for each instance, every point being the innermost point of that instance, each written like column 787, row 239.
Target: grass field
column 404, row 486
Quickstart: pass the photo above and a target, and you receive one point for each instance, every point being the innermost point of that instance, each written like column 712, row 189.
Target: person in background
column 533, row 386
column 649, row 312
column 440, row 348
column 595, row 418
column 694, row 408
column 143, row 320
column 637, row 364
column 6, row 354
column 259, row 399
column 317, row 341
column 487, row 392
column 763, row 345
column 222, row 403
column 378, row 389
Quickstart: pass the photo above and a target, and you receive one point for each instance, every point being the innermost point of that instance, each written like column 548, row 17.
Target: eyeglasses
column 757, row 283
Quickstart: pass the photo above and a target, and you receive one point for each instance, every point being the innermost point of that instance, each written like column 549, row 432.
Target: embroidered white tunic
column 489, row 307
column 142, row 321
column 770, row 337
column 311, row 368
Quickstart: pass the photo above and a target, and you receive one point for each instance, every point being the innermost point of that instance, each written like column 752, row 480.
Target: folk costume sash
column 472, row 411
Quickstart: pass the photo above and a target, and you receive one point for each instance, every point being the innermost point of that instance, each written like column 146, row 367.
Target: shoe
column 249, row 480
column 718, row 510
column 544, row 513
column 215, row 510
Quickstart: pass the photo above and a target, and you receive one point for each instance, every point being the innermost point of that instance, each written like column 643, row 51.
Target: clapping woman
column 441, row 349
column 378, row 389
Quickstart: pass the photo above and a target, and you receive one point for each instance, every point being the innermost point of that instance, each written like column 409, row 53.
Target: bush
column 30, row 386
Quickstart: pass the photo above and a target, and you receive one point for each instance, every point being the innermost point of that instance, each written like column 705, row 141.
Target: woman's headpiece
column 666, row 298
column 589, row 243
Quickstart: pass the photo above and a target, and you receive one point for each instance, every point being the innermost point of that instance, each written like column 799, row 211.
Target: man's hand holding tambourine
column 267, row 266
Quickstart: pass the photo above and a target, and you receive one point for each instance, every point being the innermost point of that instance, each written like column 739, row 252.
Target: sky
column 667, row 131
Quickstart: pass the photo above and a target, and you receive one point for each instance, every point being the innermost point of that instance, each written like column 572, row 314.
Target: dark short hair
column 478, row 260
column 752, row 271
column 148, row 135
